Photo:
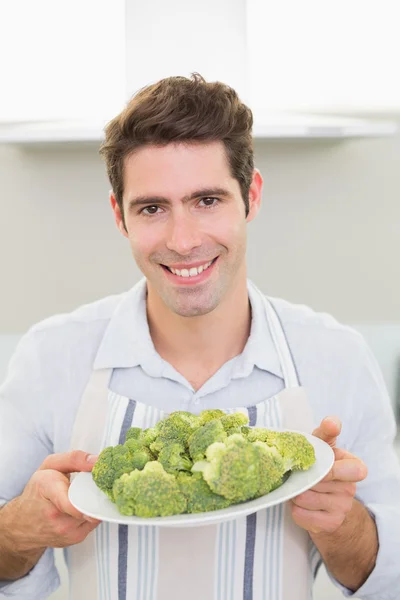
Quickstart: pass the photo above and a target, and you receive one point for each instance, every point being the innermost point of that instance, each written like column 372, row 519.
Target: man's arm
column 350, row 552
column 360, row 551
column 14, row 563
column 43, row 516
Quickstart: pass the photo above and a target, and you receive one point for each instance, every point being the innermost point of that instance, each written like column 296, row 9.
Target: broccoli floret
column 140, row 453
column 271, row 468
column 112, row 462
column 295, row 449
column 231, row 469
column 204, row 436
column 133, row 433
column 149, row 493
column 233, row 423
column 246, row 430
column 174, row 459
column 198, row 494
column 148, row 435
column 176, row 428
column 209, row 415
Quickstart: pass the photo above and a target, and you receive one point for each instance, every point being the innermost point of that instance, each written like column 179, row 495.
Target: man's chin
column 189, row 307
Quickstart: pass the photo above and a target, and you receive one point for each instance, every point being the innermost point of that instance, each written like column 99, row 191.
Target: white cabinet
column 324, row 55
column 68, row 66
column 61, row 59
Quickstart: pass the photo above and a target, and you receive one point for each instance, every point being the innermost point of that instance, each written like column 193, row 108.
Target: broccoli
column 232, row 468
column 177, row 427
column 203, row 437
column 210, row 415
column 140, row 453
column 133, row 433
column 149, row 493
column 295, row 449
column 112, row 462
column 174, row 459
column 233, row 423
column 198, row 494
column 148, row 435
column 271, row 468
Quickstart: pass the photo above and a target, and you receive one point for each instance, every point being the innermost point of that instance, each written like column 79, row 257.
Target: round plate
column 91, row 501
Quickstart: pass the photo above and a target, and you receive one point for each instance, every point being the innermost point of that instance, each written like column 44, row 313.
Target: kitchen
column 326, row 141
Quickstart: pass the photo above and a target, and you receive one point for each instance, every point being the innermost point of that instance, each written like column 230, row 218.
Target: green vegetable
column 231, row 468
column 113, row 461
column 295, row 449
column 271, row 468
column 176, row 428
column 188, row 463
column 133, row 433
column 149, row 493
column 204, row 436
column 210, row 415
column 174, row 459
column 233, row 423
column 198, row 494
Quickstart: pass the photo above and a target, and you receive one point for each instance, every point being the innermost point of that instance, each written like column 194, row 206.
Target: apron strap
column 282, row 347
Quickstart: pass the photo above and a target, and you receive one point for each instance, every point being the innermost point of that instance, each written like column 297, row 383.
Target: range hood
column 177, row 38
column 273, row 126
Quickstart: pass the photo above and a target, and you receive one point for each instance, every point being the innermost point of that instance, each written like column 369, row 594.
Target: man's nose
column 183, row 234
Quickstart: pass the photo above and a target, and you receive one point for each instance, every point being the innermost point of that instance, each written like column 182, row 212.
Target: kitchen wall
column 327, row 236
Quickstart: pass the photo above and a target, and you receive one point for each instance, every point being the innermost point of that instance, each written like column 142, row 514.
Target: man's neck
column 198, row 346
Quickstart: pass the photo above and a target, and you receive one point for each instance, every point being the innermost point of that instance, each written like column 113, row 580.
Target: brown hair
column 178, row 109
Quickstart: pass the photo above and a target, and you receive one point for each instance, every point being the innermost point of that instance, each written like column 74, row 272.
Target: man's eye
column 209, row 202
column 150, row 210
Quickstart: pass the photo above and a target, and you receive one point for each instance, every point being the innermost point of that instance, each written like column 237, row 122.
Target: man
column 195, row 334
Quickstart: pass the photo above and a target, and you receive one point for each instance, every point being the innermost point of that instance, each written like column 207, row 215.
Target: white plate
column 91, row 501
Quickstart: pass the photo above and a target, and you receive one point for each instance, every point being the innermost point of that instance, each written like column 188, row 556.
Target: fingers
column 330, row 502
column 316, row 521
column 54, row 487
column 347, row 469
column 334, row 487
column 69, row 462
column 329, row 430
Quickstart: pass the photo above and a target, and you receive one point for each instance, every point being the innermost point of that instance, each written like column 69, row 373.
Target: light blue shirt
column 52, row 364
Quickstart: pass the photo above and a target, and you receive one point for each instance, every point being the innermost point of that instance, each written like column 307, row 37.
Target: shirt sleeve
column 370, row 436
column 25, row 441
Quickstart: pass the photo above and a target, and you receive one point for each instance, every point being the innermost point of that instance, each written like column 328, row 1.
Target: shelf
column 270, row 126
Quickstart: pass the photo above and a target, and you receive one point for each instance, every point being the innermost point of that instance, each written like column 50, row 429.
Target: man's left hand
column 323, row 508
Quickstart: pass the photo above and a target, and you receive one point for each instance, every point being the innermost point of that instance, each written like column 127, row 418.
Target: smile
column 192, row 274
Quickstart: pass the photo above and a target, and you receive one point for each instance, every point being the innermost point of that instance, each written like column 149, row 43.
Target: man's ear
column 118, row 214
column 255, row 194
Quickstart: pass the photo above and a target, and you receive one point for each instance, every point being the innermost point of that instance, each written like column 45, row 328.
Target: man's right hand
column 42, row 516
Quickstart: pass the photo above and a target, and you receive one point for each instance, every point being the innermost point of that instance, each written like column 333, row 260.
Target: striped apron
column 263, row 556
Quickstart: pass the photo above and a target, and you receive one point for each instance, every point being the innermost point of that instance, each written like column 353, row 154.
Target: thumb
column 329, row 430
column 69, row 462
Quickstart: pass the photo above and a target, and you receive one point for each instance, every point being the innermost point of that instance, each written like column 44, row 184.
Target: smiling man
column 194, row 334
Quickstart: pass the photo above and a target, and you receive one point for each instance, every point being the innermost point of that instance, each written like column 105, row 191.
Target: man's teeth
column 191, row 272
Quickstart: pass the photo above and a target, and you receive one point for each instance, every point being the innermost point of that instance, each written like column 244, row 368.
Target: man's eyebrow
column 202, row 193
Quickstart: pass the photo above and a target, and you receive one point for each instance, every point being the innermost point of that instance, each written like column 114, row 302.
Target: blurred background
column 321, row 78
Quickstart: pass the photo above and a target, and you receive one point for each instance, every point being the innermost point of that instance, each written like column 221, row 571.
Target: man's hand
column 323, row 508
column 42, row 516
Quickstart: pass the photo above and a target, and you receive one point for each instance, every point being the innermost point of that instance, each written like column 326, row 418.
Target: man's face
column 185, row 221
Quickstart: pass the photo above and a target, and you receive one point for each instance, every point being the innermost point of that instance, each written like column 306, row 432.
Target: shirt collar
column 127, row 342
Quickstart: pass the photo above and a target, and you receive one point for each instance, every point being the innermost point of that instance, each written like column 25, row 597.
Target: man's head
column 180, row 162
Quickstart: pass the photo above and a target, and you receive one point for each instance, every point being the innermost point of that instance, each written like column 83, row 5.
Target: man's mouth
column 186, row 274
column 191, row 271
